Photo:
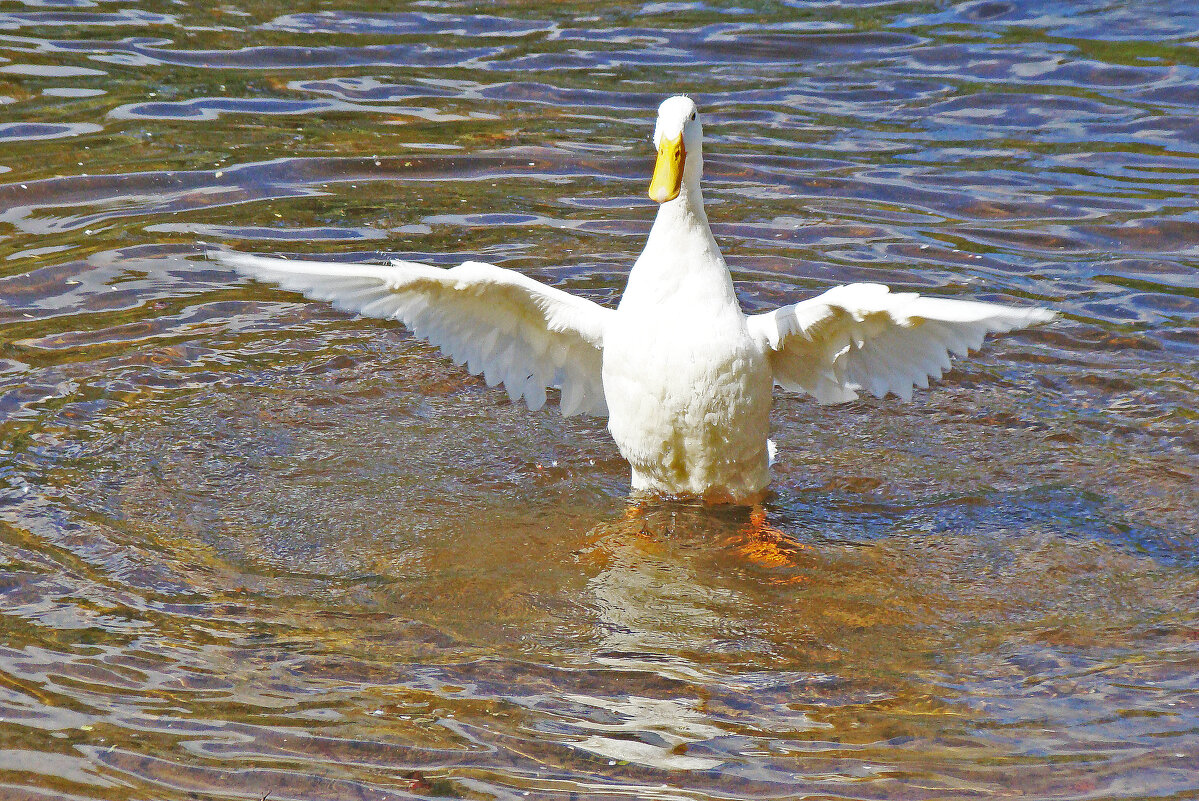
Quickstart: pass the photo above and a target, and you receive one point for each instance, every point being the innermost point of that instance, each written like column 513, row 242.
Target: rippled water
column 252, row 547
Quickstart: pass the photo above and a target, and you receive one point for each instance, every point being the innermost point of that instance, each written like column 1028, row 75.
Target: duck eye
column 693, row 115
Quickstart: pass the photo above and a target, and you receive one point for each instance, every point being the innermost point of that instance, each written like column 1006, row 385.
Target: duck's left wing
column 865, row 337
column 500, row 323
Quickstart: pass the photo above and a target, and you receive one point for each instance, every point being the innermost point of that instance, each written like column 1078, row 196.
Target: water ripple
column 251, row 547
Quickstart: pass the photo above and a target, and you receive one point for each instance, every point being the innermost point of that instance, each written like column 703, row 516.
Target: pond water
column 253, row 547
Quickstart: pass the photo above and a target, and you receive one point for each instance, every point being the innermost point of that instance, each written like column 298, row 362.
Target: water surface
column 250, row 546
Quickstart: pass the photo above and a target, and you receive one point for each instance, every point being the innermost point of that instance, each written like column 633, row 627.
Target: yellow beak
column 668, row 170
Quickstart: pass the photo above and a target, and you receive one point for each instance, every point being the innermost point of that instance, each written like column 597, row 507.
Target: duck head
column 678, row 137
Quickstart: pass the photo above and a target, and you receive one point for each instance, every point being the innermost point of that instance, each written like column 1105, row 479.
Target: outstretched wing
column 499, row 323
column 864, row 337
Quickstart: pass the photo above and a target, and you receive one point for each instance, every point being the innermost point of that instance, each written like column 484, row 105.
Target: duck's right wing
column 499, row 323
column 865, row 337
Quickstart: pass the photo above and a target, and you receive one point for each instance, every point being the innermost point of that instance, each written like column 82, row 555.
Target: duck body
column 688, row 389
column 684, row 377
column 690, row 422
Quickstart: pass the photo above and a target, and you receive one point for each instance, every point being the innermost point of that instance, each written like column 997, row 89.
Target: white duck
column 684, row 376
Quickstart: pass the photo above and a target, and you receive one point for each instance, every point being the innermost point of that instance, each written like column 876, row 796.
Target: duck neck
column 681, row 262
